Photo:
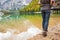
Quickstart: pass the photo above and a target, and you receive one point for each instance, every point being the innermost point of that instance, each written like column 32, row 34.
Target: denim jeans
column 45, row 17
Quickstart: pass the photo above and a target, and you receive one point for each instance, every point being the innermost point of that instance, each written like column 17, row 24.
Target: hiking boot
column 44, row 34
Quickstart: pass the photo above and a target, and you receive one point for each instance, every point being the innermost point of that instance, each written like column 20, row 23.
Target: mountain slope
column 13, row 4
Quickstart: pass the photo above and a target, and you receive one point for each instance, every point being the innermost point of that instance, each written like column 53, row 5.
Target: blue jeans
column 45, row 17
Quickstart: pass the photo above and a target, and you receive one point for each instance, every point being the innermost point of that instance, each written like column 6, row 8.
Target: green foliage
column 33, row 6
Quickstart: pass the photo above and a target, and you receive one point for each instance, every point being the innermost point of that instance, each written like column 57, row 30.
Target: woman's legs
column 45, row 17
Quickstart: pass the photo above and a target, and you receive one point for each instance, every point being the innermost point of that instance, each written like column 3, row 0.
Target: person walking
column 45, row 10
